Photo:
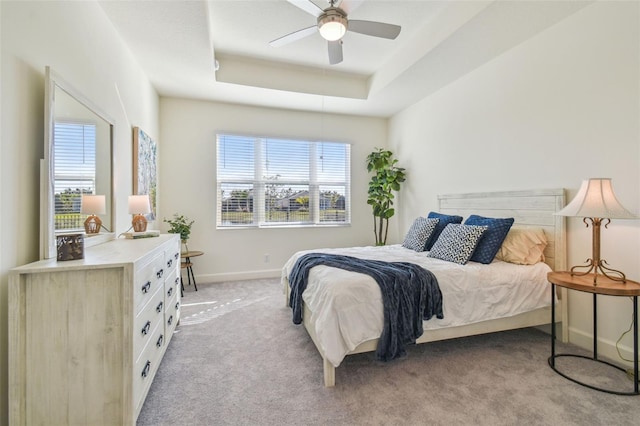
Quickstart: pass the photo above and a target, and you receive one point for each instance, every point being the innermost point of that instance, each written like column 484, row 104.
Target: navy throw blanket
column 410, row 294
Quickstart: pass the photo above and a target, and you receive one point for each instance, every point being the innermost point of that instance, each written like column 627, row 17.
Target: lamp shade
column 596, row 198
column 139, row 204
column 93, row 204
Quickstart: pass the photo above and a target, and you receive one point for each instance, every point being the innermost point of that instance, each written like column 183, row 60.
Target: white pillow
column 523, row 246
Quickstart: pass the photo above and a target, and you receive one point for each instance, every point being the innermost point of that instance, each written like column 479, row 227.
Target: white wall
column 188, row 182
column 558, row 108
column 81, row 45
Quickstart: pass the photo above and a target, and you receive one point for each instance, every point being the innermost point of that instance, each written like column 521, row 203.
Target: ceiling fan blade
column 349, row 5
column 335, row 52
column 294, row 36
column 376, row 29
column 308, row 6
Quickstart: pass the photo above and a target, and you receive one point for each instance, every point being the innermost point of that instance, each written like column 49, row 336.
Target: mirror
column 77, row 161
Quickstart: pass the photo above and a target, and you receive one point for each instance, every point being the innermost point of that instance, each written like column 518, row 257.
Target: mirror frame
column 47, row 198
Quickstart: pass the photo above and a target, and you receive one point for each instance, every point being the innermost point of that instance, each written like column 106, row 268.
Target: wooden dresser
column 86, row 336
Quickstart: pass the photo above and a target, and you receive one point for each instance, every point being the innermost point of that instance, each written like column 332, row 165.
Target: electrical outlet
column 266, row 258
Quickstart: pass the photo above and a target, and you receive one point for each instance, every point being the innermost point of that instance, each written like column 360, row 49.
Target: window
column 75, row 172
column 279, row 182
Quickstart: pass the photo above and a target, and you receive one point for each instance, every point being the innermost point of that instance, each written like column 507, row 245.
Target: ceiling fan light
column 332, row 31
column 332, row 24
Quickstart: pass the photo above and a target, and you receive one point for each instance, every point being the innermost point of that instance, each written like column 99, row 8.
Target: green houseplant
column 386, row 179
column 180, row 224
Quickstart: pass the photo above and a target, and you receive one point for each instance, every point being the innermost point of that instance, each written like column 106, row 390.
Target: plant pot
column 185, row 247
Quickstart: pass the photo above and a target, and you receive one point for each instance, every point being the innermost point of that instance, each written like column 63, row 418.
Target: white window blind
column 270, row 181
column 75, row 170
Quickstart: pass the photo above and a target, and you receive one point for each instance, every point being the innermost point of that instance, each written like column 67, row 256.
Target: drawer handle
column 159, row 307
column 145, row 329
column 177, row 305
column 176, row 281
column 145, row 370
column 170, row 320
column 160, row 273
column 146, row 287
column 169, row 263
column 176, row 256
column 170, row 292
column 160, row 340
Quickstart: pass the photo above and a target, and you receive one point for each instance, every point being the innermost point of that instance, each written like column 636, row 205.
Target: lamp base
column 92, row 225
column 599, row 269
column 596, row 264
column 139, row 223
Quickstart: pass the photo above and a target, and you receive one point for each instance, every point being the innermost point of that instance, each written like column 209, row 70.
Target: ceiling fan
column 333, row 23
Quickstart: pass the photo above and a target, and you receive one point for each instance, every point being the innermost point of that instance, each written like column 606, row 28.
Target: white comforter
column 347, row 306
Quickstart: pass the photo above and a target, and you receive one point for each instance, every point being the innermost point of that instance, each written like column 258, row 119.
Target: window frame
column 259, row 184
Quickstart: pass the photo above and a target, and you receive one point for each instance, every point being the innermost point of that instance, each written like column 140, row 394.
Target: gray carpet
column 237, row 359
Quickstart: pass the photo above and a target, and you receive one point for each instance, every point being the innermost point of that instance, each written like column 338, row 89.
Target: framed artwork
column 145, row 168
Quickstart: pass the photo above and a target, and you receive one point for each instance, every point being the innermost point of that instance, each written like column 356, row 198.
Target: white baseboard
column 606, row 348
column 237, row 276
column 546, row 328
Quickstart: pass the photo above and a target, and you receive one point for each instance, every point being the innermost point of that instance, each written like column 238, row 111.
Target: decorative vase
column 185, row 247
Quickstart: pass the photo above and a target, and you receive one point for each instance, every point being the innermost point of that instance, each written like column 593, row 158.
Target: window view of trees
column 282, row 205
column 265, row 182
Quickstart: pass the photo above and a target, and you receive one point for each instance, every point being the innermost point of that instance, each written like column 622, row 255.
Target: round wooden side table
column 603, row 286
column 188, row 265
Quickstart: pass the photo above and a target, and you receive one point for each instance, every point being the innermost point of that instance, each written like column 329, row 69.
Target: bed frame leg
column 329, row 373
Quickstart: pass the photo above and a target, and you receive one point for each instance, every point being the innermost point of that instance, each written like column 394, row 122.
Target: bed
column 341, row 310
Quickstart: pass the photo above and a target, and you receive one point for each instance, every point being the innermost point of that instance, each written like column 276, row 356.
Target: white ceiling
column 177, row 43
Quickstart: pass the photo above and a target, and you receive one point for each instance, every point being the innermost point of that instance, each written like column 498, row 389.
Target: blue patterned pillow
column 457, row 242
column 444, row 220
column 419, row 233
column 492, row 239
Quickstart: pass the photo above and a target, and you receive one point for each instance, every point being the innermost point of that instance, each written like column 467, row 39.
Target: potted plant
column 386, row 179
column 180, row 224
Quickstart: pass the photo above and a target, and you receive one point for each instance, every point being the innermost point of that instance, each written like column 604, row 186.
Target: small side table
column 605, row 286
column 188, row 265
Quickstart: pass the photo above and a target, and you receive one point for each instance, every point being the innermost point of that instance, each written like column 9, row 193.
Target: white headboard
column 528, row 208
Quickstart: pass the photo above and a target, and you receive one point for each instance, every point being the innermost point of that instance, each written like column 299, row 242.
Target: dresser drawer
column 172, row 259
column 147, row 320
column 172, row 315
column 147, row 364
column 172, row 285
column 148, row 279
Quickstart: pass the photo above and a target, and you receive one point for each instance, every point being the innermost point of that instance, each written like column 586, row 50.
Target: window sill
column 297, row 226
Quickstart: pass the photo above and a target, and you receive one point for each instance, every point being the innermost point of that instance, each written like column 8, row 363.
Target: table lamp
column 92, row 205
column 139, row 206
column 596, row 203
